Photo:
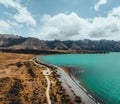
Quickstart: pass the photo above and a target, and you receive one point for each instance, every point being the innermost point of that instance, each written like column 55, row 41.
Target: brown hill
column 18, row 42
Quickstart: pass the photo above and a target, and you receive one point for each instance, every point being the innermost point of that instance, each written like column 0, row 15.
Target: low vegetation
column 23, row 82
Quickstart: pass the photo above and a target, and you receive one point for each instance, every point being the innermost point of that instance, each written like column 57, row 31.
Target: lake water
column 101, row 76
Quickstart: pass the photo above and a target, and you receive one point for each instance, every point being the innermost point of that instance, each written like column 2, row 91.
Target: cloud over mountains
column 71, row 26
column 61, row 25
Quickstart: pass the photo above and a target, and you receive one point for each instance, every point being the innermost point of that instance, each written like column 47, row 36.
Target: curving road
column 77, row 88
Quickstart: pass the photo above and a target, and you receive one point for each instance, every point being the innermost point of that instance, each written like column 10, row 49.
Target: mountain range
column 18, row 42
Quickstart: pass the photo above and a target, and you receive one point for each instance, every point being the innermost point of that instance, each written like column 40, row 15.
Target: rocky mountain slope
column 18, row 42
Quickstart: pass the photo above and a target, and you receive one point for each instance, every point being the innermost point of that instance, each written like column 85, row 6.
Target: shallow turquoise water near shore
column 101, row 76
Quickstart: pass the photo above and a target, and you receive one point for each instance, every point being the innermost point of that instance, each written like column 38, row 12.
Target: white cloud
column 14, row 24
column 71, row 26
column 115, row 12
column 62, row 25
column 100, row 3
column 4, row 26
column 23, row 15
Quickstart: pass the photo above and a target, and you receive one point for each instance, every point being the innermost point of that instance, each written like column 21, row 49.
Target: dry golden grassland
column 22, row 82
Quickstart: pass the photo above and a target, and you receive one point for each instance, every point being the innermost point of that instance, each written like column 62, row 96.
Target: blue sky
column 61, row 19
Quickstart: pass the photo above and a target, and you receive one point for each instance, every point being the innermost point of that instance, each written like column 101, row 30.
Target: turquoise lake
column 101, row 76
